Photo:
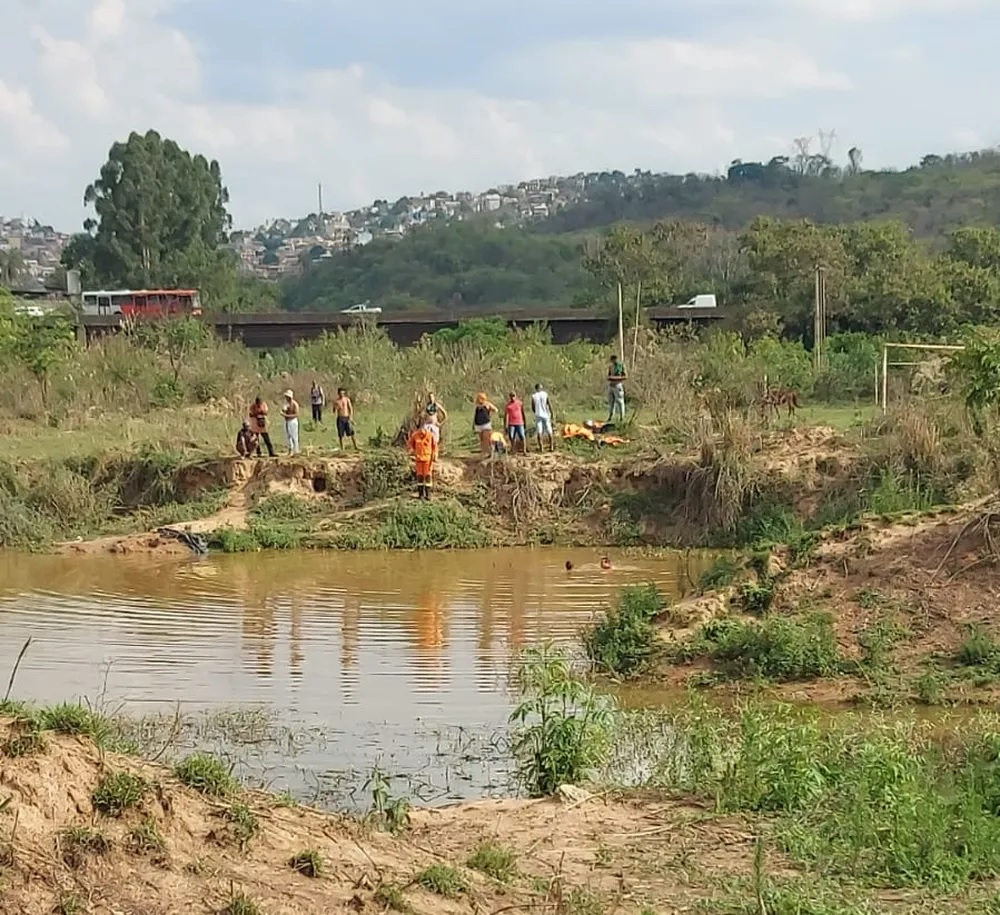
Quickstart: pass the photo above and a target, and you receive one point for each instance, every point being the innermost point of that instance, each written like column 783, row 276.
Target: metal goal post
column 882, row 378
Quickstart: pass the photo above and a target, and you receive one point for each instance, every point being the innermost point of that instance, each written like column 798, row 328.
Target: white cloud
column 29, row 130
column 655, row 98
column 875, row 10
column 660, row 69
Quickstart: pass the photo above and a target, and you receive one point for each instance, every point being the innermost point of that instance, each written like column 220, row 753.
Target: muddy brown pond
column 307, row 670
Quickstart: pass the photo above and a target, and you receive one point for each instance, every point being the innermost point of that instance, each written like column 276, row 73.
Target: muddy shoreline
column 563, row 498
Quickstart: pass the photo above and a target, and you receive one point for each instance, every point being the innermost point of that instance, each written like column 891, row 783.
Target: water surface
column 345, row 658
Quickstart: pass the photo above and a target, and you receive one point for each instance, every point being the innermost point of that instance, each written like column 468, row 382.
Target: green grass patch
column 25, row 743
column 496, row 861
column 443, row 880
column 243, row 824
column 412, row 525
column 308, row 863
column 80, row 842
column 780, row 649
column 240, row 903
column 117, row 792
column 146, row 838
column 73, row 719
column 391, row 898
column 206, row 774
column 979, row 650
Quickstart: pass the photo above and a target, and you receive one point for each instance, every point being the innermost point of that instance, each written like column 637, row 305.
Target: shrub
column 877, row 800
column 979, row 649
column 781, row 649
column 719, row 575
column 625, row 640
column 561, row 726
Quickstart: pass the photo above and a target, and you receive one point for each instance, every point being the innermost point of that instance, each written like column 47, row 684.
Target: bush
column 781, row 649
column 979, row 649
column 625, row 640
column 878, row 800
column 309, row 863
column 561, row 726
column 719, row 575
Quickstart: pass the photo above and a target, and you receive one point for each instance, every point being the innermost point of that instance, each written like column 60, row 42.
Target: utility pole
column 319, row 189
column 819, row 321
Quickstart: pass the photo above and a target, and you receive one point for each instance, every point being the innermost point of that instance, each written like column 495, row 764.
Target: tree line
column 161, row 219
column 935, row 196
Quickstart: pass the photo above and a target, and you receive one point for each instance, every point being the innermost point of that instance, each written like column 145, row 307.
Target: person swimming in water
column 606, row 564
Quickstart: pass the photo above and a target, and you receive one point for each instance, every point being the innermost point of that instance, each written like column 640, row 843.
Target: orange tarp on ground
column 572, row 430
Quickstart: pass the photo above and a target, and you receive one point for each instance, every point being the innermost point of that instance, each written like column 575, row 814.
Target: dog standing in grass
column 773, row 400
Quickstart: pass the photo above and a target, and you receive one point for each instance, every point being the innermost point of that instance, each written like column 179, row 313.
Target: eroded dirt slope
column 176, row 851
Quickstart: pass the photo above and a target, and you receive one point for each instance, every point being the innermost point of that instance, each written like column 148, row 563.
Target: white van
column 700, row 301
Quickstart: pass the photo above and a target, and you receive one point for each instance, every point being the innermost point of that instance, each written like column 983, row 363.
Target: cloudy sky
column 379, row 98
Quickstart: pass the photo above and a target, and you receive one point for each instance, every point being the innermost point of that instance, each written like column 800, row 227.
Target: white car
column 705, row 300
column 362, row 308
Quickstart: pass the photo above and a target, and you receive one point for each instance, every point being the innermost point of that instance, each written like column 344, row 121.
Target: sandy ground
column 934, row 576
column 629, row 855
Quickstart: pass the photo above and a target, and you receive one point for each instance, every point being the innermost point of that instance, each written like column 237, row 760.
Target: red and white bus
column 153, row 303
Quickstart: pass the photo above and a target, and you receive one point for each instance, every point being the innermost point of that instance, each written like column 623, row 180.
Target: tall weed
column 561, row 725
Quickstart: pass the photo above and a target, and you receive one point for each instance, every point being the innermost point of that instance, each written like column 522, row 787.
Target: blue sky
column 388, row 97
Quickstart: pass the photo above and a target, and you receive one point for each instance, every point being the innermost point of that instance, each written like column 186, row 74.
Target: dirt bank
column 63, row 850
column 912, row 601
column 571, row 496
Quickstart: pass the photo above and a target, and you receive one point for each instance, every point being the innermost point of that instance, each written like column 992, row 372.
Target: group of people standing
column 255, row 432
column 424, row 442
column 514, row 424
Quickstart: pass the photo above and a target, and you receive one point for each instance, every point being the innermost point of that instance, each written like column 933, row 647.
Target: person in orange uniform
column 423, row 446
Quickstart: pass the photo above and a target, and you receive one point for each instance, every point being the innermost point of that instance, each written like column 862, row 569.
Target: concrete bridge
column 279, row 329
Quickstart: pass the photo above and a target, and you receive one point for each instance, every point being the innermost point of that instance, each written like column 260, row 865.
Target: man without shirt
column 345, row 418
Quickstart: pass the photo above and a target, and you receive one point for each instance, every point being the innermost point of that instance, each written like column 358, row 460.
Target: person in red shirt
column 423, row 445
column 515, row 423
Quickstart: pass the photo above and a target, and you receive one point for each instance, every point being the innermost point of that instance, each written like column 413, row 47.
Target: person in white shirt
column 541, row 406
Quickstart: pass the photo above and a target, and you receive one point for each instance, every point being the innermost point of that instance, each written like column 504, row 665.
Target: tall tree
column 11, row 266
column 161, row 215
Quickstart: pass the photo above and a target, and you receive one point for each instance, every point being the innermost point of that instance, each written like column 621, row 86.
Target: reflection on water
column 378, row 652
